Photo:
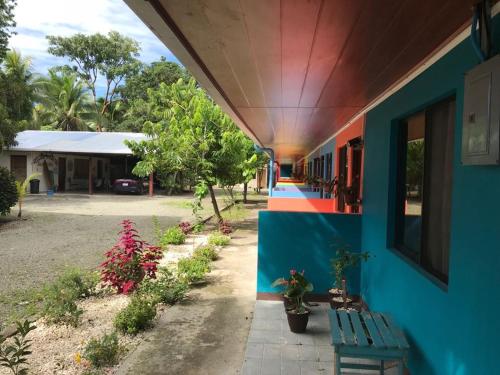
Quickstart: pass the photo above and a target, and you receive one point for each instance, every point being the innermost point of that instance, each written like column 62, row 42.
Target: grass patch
column 166, row 288
column 193, row 270
column 218, row 239
column 179, row 204
column 207, row 252
column 172, row 236
column 237, row 212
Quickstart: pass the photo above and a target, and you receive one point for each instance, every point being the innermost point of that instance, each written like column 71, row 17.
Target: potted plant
column 344, row 259
column 296, row 286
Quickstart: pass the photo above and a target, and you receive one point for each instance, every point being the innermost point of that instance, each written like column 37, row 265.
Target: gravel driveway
column 75, row 230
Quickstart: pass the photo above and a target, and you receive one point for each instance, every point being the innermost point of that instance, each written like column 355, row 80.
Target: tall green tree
column 16, row 96
column 66, row 102
column 7, row 23
column 189, row 133
column 99, row 58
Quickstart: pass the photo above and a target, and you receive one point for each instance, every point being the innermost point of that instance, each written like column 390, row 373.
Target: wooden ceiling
column 292, row 72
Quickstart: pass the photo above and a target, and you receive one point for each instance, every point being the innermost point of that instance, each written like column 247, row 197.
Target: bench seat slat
column 372, row 329
column 359, row 331
column 335, row 329
column 387, row 336
column 397, row 333
column 346, row 327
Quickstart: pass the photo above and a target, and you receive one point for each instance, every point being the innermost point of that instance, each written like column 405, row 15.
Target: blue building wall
column 304, row 241
column 453, row 330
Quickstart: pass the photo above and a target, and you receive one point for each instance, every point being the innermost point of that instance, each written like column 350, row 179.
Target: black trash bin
column 34, row 186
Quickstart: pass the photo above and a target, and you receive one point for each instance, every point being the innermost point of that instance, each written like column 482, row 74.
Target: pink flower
column 128, row 286
column 293, row 272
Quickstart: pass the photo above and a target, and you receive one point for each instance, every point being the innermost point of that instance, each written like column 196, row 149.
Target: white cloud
column 38, row 18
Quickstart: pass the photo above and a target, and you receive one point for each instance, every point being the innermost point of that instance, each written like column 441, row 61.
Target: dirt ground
column 74, row 230
column 207, row 334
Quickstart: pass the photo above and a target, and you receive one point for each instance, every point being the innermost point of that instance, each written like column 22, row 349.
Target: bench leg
column 382, row 367
column 337, row 364
column 400, row 367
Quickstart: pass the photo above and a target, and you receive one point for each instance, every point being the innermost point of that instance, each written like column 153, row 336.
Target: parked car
column 130, row 185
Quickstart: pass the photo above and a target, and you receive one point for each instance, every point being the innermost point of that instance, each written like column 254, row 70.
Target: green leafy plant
column 136, row 316
column 22, row 190
column 192, row 270
column 103, row 351
column 59, row 305
column 218, row 239
column 345, row 259
column 8, row 191
column 82, row 283
column 14, row 355
column 167, row 288
column 207, row 252
column 295, row 287
column 198, row 227
column 173, row 236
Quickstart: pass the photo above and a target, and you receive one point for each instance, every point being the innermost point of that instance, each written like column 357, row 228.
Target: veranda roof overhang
column 292, row 73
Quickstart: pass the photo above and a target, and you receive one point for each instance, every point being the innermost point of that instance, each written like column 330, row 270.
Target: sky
column 37, row 18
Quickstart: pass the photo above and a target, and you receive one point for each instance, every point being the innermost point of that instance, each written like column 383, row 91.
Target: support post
column 270, row 151
column 91, row 187
column 151, row 184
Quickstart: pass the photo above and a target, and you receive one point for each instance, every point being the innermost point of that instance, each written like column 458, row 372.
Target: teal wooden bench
column 366, row 335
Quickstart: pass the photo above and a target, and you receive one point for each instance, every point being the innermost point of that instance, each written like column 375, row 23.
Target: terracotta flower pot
column 297, row 322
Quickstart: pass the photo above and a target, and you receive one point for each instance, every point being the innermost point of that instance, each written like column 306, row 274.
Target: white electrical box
column 481, row 118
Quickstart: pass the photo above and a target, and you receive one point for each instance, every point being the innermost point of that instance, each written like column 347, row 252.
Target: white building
column 71, row 161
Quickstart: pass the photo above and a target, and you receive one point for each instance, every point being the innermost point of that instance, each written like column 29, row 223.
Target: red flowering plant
column 185, row 226
column 294, row 288
column 129, row 261
column 225, row 227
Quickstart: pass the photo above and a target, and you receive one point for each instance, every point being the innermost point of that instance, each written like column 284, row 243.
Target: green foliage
column 22, row 190
column 172, row 236
column 207, row 252
column 104, row 351
column 415, row 164
column 7, row 24
column 16, row 97
column 64, row 102
column 136, row 316
column 345, row 259
column 167, row 288
column 60, row 297
column 193, row 270
column 8, row 191
column 296, row 286
column 14, row 356
column 99, row 58
column 218, row 239
column 189, row 135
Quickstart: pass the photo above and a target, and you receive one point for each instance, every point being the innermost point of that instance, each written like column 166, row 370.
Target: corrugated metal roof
column 75, row 142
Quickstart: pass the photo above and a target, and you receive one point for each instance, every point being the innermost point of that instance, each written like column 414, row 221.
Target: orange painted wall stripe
column 301, row 205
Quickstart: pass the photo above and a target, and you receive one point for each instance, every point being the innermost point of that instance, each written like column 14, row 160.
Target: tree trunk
column 245, row 191
column 214, row 203
column 20, row 207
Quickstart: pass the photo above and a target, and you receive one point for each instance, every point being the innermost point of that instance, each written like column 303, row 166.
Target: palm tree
column 22, row 189
column 18, row 85
column 66, row 100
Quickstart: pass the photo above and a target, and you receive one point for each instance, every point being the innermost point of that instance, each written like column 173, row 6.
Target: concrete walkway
column 273, row 350
column 206, row 334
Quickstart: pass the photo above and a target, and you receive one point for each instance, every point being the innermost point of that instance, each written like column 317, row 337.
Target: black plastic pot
column 297, row 322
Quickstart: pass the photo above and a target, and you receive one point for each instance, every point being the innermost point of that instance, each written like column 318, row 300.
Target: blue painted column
column 270, row 151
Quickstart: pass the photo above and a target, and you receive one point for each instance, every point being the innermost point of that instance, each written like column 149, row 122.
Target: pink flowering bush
column 225, row 227
column 129, row 261
column 185, row 227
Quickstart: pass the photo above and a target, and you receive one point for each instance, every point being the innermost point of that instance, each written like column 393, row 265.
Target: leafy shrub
column 83, row 284
column 218, row 239
column 136, row 316
column 173, row 236
column 102, row 352
column 185, row 226
column 225, row 227
column 167, row 288
column 193, row 269
column 59, row 304
column 14, row 356
column 8, row 191
column 208, row 252
column 129, row 261
column 198, row 227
